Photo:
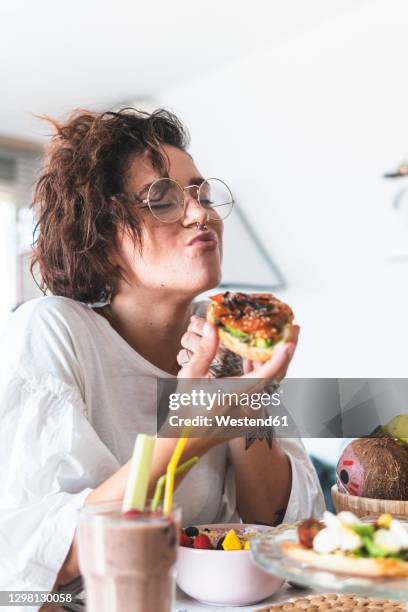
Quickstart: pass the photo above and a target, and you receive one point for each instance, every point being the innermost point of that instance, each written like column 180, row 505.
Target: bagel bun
column 244, row 348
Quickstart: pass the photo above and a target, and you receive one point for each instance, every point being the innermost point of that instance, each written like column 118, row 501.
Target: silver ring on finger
column 188, row 355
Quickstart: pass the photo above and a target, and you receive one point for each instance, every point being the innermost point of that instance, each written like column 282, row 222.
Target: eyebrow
column 196, row 180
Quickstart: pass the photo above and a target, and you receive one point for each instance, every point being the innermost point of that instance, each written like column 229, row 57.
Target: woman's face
column 176, row 257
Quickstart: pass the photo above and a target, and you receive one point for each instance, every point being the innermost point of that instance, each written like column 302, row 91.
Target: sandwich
column 250, row 324
column 345, row 545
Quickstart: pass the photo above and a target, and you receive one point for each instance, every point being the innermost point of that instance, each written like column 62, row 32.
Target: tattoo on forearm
column 262, row 433
column 279, row 515
column 228, row 364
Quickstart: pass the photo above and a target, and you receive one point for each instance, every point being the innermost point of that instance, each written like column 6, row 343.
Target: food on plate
column 344, row 544
column 217, row 538
column 307, row 531
column 251, row 324
column 375, row 468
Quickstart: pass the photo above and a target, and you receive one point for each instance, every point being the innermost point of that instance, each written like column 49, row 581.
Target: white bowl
column 224, row 578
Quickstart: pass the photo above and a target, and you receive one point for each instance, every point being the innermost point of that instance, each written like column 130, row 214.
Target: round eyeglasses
column 166, row 199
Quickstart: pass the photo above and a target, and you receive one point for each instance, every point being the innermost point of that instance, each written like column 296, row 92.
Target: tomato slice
column 219, row 298
column 240, row 311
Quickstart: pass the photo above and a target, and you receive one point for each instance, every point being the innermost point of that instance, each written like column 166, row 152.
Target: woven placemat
column 332, row 601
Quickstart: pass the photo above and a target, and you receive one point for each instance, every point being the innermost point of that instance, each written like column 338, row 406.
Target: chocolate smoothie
column 127, row 563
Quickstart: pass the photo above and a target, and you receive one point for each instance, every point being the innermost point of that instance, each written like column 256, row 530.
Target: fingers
column 272, row 369
column 204, row 354
column 294, row 334
column 276, row 367
column 190, row 341
column 183, row 357
column 196, row 325
column 279, row 362
column 294, row 337
column 247, row 365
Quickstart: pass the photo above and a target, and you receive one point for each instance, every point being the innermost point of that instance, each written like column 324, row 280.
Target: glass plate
column 267, row 552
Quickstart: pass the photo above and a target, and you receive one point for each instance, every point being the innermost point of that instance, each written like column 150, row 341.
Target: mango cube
column 231, row 541
column 384, row 521
column 246, row 545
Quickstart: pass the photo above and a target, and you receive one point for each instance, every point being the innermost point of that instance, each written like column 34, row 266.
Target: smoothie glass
column 128, row 564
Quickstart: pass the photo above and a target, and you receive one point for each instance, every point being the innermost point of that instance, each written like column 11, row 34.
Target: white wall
column 303, row 133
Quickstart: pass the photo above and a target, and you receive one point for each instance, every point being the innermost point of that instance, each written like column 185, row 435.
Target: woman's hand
column 262, row 474
column 200, row 345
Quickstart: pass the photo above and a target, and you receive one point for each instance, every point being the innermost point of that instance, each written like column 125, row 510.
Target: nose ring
column 203, row 226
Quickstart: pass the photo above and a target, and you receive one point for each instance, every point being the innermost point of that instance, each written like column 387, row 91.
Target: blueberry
column 219, row 543
column 191, row 532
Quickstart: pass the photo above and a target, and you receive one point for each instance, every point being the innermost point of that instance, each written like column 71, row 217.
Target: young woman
column 127, row 238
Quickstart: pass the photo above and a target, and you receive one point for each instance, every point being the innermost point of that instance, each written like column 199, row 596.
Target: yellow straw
column 162, row 481
column 171, row 469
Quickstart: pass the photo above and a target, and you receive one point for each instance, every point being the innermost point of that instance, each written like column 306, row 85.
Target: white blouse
column 73, row 397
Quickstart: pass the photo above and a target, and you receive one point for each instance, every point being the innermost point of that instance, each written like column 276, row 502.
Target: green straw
column 138, row 479
column 158, row 492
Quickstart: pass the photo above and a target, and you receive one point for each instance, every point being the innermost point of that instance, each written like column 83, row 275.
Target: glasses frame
column 146, row 201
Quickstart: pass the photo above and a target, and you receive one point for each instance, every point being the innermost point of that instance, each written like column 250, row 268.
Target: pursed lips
column 205, row 239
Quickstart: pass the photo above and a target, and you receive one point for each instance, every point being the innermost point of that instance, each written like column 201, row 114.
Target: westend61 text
column 228, row 421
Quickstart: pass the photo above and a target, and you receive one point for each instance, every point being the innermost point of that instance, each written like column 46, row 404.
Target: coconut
column 374, row 467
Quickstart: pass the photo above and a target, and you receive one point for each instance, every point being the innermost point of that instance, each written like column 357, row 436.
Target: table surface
column 184, row 603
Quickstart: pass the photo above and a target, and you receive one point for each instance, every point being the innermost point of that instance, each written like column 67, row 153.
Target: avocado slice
column 263, row 342
column 236, row 332
column 373, row 550
column 363, row 529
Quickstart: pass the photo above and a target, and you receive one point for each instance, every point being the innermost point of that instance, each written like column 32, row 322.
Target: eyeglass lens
column 166, row 199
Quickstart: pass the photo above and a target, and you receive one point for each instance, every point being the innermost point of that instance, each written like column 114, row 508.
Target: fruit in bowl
column 218, row 538
column 215, row 565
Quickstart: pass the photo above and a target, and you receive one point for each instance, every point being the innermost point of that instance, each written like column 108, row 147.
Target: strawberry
column 131, row 513
column 185, row 540
column 202, row 541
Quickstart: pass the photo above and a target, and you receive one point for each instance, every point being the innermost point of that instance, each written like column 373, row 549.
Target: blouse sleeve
column 50, row 460
column 306, row 497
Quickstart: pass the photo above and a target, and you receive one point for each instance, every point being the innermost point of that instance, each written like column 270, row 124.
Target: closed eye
column 161, row 205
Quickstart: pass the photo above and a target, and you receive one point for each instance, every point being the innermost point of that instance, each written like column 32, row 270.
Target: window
column 18, row 171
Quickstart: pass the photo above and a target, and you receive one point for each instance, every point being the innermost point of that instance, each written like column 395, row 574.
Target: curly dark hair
column 80, row 197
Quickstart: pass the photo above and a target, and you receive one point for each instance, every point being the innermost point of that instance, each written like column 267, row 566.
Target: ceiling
column 57, row 55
